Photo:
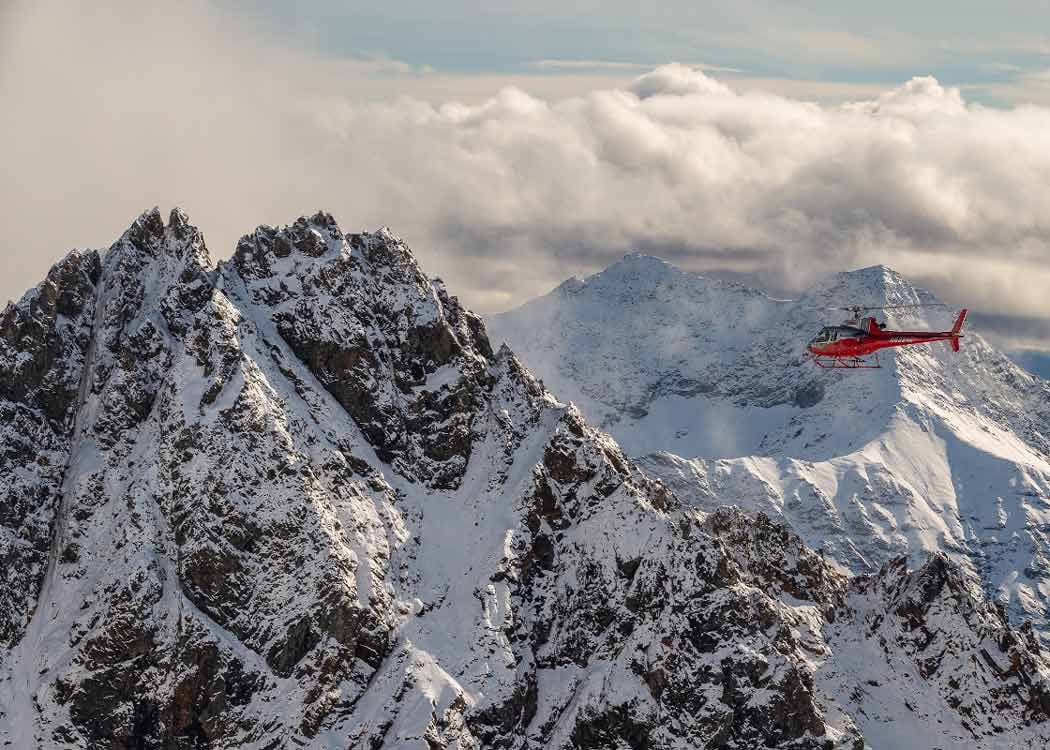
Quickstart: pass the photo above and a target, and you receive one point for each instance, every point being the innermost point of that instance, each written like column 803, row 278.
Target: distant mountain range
column 707, row 383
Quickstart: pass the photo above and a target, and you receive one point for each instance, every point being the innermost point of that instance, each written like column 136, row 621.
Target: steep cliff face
column 44, row 341
column 296, row 500
column 375, row 332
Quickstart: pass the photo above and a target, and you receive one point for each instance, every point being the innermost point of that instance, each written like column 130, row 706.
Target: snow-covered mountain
column 295, row 500
column 707, row 382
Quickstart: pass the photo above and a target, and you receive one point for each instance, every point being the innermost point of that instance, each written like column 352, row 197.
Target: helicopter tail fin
column 957, row 328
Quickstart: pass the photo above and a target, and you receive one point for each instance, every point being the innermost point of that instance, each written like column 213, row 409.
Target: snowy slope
column 297, row 500
column 708, row 380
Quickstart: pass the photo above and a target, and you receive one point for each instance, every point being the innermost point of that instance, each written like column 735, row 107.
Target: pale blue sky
column 968, row 43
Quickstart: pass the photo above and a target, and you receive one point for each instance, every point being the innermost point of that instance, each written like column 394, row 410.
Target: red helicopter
column 848, row 346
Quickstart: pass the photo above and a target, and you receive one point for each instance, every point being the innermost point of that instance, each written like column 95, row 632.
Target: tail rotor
column 956, row 332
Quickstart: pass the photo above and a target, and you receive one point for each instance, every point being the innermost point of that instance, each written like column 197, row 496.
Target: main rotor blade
column 902, row 307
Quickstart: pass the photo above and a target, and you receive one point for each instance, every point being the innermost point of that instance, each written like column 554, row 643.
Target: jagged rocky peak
column 68, row 285
column 319, row 259
column 149, row 235
column 257, row 252
column 390, row 345
column 33, row 354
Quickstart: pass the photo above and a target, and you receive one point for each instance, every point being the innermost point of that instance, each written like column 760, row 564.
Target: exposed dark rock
column 809, row 395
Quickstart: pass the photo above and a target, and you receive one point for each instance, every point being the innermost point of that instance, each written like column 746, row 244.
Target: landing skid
column 848, row 363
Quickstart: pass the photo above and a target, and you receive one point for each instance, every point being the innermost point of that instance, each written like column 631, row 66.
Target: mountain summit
column 710, row 383
column 296, row 499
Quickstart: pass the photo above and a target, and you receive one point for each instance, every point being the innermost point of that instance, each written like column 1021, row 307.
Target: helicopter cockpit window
column 826, row 334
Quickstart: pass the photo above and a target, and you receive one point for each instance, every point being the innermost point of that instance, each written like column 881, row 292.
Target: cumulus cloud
column 681, row 165
column 506, row 195
column 920, row 97
column 676, row 79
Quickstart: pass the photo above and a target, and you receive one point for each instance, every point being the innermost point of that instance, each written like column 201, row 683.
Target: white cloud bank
column 681, row 165
column 117, row 110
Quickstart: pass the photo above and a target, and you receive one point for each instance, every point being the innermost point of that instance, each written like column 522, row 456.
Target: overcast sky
column 520, row 144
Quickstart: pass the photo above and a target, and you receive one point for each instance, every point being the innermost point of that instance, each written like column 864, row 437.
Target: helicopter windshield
column 824, row 335
column 834, row 333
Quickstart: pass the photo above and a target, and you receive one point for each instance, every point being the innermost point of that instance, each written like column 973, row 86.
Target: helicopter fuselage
column 856, row 339
column 847, row 342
